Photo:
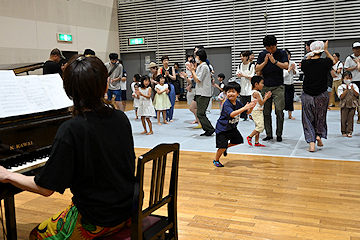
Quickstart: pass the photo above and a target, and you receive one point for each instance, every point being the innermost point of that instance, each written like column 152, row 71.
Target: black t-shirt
column 94, row 157
column 168, row 79
column 315, row 71
column 51, row 67
column 273, row 75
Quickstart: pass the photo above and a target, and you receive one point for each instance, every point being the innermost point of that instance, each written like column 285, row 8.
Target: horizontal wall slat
column 169, row 27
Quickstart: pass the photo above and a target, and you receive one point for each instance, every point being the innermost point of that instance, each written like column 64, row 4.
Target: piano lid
column 21, row 67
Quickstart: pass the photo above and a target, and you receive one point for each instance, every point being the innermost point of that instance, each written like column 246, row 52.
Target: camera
column 192, row 60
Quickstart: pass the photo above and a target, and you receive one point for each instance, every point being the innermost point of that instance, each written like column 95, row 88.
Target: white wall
column 28, row 28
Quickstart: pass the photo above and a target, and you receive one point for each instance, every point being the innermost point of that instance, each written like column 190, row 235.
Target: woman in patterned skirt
column 315, row 98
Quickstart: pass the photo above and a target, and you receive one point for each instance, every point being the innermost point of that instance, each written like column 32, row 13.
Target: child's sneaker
column 259, row 145
column 249, row 140
column 218, row 164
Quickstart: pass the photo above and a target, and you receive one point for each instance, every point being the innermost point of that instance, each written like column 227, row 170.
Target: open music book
column 21, row 95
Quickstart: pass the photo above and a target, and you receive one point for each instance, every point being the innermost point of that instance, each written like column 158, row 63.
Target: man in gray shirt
column 115, row 71
column 203, row 86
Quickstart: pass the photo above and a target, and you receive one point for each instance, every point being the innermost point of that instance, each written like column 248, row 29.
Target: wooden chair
column 145, row 224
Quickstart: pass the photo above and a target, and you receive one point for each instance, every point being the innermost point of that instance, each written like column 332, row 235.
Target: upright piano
column 25, row 146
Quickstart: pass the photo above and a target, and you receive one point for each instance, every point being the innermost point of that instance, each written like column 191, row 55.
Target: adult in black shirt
column 53, row 65
column 315, row 98
column 271, row 63
column 92, row 154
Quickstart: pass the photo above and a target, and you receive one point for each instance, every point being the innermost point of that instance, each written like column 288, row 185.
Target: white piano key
column 29, row 166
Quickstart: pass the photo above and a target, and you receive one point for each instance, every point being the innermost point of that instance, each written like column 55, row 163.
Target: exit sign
column 64, row 37
column 136, row 41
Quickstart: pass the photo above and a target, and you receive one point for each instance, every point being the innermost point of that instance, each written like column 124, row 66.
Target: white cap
column 317, row 47
column 356, row 44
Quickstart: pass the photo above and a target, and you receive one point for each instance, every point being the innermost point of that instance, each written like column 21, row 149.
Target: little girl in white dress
column 146, row 108
column 161, row 101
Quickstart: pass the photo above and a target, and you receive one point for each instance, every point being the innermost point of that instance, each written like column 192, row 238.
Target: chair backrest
column 158, row 156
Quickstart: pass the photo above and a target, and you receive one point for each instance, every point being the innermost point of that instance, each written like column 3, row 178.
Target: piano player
column 92, row 154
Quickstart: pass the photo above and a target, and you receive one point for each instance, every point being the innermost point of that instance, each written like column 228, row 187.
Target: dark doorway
column 136, row 63
column 220, row 59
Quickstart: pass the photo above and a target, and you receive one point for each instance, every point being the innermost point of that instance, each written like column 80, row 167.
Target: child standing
column 221, row 85
column 161, row 100
column 226, row 126
column 257, row 83
column 136, row 81
column 348, row 93
column 136, row 101
column 146, row 108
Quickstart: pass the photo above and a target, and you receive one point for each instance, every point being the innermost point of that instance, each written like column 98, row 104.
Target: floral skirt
column 69, row 224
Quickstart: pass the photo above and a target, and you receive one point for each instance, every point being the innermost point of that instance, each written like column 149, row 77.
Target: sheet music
column 4, row 74
column 20, row 95
column 35, row 93
column 53, row 85
column 12, row 99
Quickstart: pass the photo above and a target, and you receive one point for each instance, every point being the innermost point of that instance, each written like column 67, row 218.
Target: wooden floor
column 252, row 197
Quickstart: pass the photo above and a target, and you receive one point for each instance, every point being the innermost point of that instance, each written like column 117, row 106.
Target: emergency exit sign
column 136, row 41
column 64, row 37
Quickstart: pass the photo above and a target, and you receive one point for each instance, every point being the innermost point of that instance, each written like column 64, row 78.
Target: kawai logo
column 21, row 145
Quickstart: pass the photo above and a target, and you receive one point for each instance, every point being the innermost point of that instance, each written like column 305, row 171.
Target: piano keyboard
column 27, row 166
column 26, row 162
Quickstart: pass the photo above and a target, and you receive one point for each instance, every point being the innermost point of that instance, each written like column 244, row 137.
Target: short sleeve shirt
column 316, row 75
column 343, row 86
column 203, row 88
column 350, row 63
column 225, row 122
column 94, row 157
column 338, row 65
column 273, row 75
column 118, row 72
column 51, row 67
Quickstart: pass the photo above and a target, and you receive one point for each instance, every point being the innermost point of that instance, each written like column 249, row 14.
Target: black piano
column 22, row 67
column 25, row 145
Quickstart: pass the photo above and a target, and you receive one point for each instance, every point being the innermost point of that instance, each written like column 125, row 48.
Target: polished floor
column 253, row 197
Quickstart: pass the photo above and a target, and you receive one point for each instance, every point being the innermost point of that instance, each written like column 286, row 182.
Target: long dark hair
column 85, row 82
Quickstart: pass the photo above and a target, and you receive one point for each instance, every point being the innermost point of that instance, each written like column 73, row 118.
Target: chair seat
column 124, row 234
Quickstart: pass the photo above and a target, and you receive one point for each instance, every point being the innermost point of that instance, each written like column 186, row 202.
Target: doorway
column 136, row 63
column 220, row 59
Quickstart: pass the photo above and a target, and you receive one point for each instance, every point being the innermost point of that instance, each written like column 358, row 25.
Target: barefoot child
column 226, row 126
column 146, row 108
column 348, row 93
column 136, row 81
column 161, row 100
column 136, row 101
column 257, row 83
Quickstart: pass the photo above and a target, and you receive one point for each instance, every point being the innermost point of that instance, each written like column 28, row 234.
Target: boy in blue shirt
column 226, row 126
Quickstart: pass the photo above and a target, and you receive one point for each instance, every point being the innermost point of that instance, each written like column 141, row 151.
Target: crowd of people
column 269, row 81
column 90, row 158
column 155, row 95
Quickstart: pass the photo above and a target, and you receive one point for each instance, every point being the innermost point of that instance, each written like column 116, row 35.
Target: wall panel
column 240, row 25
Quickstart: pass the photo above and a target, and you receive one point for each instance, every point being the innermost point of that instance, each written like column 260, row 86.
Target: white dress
column 146, row 108
column 136, row 101
column 161, row 101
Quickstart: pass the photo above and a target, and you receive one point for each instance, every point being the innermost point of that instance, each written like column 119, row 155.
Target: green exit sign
column 64, row 37
column 136, row 41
